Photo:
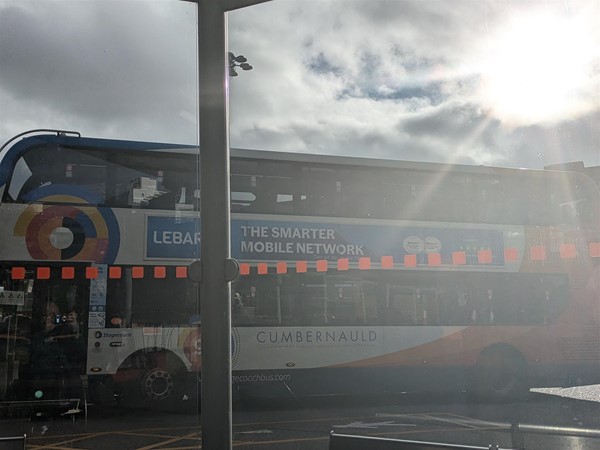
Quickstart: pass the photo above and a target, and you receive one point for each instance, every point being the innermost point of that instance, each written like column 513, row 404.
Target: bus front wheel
column 162, row 385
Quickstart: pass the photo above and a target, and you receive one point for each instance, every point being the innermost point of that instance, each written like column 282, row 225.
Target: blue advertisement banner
column 269, row 240
column 172, row 237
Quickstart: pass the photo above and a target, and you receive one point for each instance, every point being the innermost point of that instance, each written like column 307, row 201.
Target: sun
column 539, row 68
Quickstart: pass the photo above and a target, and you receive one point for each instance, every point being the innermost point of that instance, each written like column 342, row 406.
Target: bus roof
column 68, row 138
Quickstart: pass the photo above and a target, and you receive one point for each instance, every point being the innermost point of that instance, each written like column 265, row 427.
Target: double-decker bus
column 356, row 274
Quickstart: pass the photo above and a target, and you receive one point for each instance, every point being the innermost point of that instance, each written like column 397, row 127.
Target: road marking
column 463, row 421
column 473, row 421
column 459, row 422
column 189, row 436
column 149, row 435
column 55, row 445
column 256, row 432
column 374, row 425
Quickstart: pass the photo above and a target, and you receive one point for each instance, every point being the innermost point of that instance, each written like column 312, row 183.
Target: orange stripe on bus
column 322, row 265
column 43, row 273
column 484, row 256
column 17, row 273
column 181, row 272
column 595, row 249
column 410, row 260
column 301, row 266
column 114, row 272
column 160, row 272
column 244, row 269
column 568, row 251
column 282, row 267
column 343, row 264
column 387, row 262
column 459, row 258
column 137, row 272
column 537, row 253
column 364, row 263
column 263, row 269
column 68, row 273
column 91, row 273
column 434, row 259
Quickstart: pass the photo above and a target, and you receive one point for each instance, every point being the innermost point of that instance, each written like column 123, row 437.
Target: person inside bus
column 52, row 317
column 236, row 303
column 66, row 326
column 48, row 359
column 69, row 343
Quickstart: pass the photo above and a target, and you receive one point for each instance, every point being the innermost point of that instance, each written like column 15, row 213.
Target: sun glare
column 539, row 69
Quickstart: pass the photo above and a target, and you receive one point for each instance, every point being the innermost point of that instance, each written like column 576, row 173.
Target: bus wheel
column 160, row 385
column 501, row 375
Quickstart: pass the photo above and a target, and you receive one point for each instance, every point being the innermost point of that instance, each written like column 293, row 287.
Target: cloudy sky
column 478, row 82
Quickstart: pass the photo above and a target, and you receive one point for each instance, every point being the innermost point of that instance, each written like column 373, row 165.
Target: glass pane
column 416, row 209
column 98, row 319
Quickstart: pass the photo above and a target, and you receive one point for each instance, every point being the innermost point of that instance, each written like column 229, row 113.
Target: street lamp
column 237, row 61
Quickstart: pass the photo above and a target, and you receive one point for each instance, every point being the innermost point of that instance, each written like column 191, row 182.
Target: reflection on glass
column 387, row 243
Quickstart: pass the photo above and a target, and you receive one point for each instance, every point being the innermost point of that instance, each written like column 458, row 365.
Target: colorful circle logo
column 62, row 223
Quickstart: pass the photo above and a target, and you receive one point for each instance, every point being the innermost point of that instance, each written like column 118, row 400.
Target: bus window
column 21, row 174
column 401, row 305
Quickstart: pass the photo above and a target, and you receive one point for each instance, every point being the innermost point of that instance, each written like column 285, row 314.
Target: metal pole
column 215, row 291
column 217, row 268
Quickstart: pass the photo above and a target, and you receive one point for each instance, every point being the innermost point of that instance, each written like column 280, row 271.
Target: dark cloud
column 115, row 63
column 575, row 140
column 451, row 122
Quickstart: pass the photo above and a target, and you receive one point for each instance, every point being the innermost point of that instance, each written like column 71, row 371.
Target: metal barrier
column 352, row 442
column 554, row 436
column 13, row 442
column 522, row 436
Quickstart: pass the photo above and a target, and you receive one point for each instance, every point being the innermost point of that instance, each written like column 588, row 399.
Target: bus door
column 53, row 354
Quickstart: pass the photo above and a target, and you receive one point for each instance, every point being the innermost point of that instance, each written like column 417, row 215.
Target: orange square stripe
column 537, row 253
column 91, row 273
column 410, row 260
column 511, row 254
column 484, row 256
column 282, row 267
column 17, row 273
column 364, row 263
column 568, row 251
column 434, row 259
column 387, row 262
column 244, row 269
column 322, row 265
column 459, row 258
